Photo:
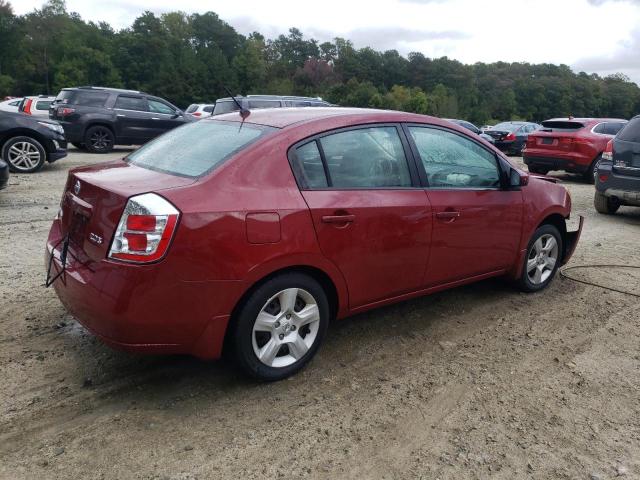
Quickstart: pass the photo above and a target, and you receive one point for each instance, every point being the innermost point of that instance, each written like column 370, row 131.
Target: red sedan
column 255, row 233
column 570, row 144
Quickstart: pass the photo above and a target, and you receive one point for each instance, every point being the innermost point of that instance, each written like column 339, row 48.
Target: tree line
column 190, row 58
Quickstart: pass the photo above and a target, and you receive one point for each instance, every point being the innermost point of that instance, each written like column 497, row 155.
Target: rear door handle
column 155, row 118
column 450, row 216
column 120, row 115
column 338, row 218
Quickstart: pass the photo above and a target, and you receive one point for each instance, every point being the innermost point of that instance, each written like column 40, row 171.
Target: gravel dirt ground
column 478, row 382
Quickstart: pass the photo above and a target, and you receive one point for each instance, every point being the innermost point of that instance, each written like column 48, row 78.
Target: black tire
column 79, row 146
column 604, row 204
column 590, row 175
column 99, row 139
column 24, row 154
column 538, row 170
column 525, row 282
column 243, row 338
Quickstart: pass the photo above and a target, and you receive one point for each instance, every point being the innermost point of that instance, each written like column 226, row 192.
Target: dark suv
column 97, row 118
column 618, row 177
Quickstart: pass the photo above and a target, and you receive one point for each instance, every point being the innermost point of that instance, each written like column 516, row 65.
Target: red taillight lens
column 196, row 114
column 608, row 151
column 145, row 230
column 65, row 111
column 510, row 137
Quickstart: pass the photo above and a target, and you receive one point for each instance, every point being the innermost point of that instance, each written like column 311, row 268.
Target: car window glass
column 208, row 109
column 225, row 107
column 600, row 128
column 192, row 108
column 631, row 132
column 90, row 99
column 310, row 166
column 366, row 158
column 15, row 104
column 131, row 103
column 43, row 104
column 612, row 128
column 160, row 107
column 263, row 104
column 452, row 161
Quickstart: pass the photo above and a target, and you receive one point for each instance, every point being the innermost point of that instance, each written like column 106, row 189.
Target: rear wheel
column 99, row 139
column 542, row 260
column 24, row 154
column 604, row 204
column 280, row 326
column 592, row 172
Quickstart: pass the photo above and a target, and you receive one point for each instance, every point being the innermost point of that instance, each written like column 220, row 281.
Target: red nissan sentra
column 255, row 233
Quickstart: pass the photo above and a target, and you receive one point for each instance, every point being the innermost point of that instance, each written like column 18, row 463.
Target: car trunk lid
column 94, row 199
column 557, row 135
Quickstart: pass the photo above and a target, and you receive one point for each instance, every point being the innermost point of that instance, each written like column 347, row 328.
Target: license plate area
column 77, row 229
column 547, row 141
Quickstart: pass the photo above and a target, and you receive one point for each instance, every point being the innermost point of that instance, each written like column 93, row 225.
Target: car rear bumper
column 571, row 241
column 141, row 308
column 57, row 150
column 624, row 187
column 4, row 174
column 568, row 162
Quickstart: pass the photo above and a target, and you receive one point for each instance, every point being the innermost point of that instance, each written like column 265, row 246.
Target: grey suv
column 618, row 177
column 226, row 105
column 98, row 118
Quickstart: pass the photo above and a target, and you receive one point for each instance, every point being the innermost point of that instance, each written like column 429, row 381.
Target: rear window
column 43, row 104
column 64, row 96
column 562, row 125
column 631, row 132
column 225, row 107
column 196, row 148
column 507, row 127
column 192, row 108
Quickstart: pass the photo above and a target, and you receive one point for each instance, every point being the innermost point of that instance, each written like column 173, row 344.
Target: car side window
column 156, row 106
column 366, row 158
column 310, row 167
column 452, row 161
column 125, row 102
column 612, row 128
column 600, row 128
column 263, row 104
column 43, row 105
column 208, row 109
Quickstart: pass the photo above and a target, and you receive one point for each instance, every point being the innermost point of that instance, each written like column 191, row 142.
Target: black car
column 511, row 137
column 96, row 118
column 470, row 126
column 618, row 177
column 27, row 142
column 4, row 174
column 226, row 105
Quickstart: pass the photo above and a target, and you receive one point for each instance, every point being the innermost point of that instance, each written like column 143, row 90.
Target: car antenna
column 244, row 111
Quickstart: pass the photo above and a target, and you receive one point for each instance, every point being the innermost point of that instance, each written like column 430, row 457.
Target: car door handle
column 448, row 215
column 155, row 118
column 120, row 115
column 338, row 218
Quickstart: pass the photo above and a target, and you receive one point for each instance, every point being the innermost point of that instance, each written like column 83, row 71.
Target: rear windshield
column 562, row 125
column 192, row 108
column 85, row 98
column 196, row 148
column 631, row 132
column 225, row 107
column 507, row 127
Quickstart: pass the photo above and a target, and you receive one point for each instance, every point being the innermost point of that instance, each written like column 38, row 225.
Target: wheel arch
column 558, row 221
column 98, row 123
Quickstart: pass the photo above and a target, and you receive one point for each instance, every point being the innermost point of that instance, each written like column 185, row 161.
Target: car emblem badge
column 97, row 239
column 76, row 187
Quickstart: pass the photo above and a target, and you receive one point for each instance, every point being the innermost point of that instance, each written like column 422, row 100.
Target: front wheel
column 24, row 154
column 542, row 260
column 99, row 139
column 280, row 326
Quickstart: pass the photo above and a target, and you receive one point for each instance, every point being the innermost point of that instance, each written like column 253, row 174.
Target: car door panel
column 133, row 119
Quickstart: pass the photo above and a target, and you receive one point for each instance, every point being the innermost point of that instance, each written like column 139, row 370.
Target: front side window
column 196, row 148
column 366, row 158
column 132, row 103
column 159, row 107
column 452, row 161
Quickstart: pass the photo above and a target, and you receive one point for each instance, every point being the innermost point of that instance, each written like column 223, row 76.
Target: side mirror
column 177, row 114
column 517, row 179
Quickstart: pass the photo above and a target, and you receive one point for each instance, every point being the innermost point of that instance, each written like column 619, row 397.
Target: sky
column 595, row 36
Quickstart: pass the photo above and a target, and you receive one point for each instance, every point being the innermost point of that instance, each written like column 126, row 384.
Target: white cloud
column 592, row 35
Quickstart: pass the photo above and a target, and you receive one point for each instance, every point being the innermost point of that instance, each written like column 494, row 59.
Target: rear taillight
column 510, row 137
column 608, row 151
column 65, row 111
column 27, row 106
column 145, row 230
column 196, row 114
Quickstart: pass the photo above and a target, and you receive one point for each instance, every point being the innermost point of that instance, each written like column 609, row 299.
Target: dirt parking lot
column 478, row 382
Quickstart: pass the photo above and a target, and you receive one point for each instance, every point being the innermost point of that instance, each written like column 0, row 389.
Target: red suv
column 571, row 144
column 253, row 232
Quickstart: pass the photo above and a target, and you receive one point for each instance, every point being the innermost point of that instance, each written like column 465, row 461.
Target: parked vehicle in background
column 200, row 110
column 470, row 126
column 27, row 142
column 37, row 106
column 254, row 231
column 618, row 173
column 511, row 137
column 4, row 174
column 10, row 105
column 485, row 127
column 97, row 118
column 226, row 105
column 571, row 144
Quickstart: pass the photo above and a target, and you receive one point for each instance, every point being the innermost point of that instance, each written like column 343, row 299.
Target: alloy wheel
column 23, row 156
column 100, row 140
column 542, row 259
column 286, row 328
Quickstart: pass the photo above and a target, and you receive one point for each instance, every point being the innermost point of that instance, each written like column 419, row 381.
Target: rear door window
column 612, row 128
column 157, row 106
column 366, row 158
column 196, row 148
column 126, row 102
column 600, row 128
column 452, row 161
column 309, row 166
column 263, row 104
column 90, row 99
column 631, row 132
column 192, row 108
column 208, row 109
column 43, row 104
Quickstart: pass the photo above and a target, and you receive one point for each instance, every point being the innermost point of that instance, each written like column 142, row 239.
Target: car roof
column 284, row 117
column 272, row 97
column 106, row 89
column 517, row 123
column 585, row 119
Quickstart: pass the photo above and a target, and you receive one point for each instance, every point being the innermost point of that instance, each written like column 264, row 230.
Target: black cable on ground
column 563, row 274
